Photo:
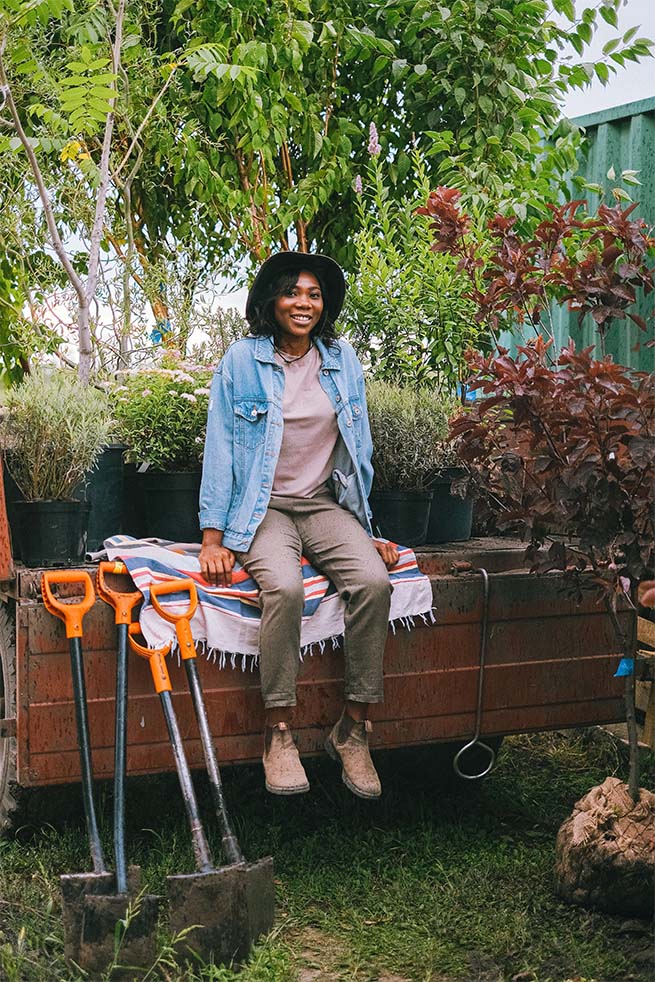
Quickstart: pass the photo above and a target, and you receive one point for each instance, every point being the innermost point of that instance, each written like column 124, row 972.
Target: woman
column 287, row 472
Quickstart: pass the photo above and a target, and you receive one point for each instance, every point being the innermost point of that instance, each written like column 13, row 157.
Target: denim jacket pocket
column 250, row 423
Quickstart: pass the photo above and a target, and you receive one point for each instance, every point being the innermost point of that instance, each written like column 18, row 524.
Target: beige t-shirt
column 310, row 429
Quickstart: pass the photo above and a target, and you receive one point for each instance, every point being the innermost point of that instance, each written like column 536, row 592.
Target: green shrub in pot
column 53, row 430
column 161, row 415
column 409, row 428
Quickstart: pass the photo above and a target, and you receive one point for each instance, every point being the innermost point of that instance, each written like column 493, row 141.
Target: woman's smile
column 297, row 313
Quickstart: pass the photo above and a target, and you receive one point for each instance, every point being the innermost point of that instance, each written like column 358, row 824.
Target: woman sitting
column 287, row 473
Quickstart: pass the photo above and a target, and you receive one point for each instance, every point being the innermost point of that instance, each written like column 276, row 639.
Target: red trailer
column 550, row 665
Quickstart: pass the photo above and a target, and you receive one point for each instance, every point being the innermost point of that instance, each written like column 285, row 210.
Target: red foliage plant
column 563, row 450
column 596, row 263
column 566, row 453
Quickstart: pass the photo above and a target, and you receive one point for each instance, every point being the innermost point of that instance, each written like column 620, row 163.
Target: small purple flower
column 358, row 184
column 374, row 147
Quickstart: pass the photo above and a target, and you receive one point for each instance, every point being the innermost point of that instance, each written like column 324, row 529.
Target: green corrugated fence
column 622, row 138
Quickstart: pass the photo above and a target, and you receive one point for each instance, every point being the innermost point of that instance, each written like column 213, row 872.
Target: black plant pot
column 134, row 506
column 103, row 489
column 401, row 516
column 52, row 533
column 171, row 505
column 451, row 517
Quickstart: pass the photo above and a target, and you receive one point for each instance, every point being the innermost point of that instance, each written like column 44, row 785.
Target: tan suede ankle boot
column 348, row 742
column 284, row 772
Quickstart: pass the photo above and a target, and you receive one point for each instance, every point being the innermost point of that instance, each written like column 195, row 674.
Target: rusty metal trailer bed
column 550, row 665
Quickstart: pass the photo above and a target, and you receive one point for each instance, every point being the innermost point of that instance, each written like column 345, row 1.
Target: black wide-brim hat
column 324, row 268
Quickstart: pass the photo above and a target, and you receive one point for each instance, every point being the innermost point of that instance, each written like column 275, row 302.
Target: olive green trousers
column 335, row 543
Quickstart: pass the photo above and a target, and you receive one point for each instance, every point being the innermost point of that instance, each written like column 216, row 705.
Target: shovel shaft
column 120, row 759
column 201, row 849
column 84, row 742
column 231, row 848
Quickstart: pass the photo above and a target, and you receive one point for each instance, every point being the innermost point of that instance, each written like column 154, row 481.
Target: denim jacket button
column 338, row 398
column 349, row 423
column 325, row 371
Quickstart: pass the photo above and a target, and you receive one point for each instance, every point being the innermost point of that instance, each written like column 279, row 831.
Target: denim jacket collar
column 264, row 349
column 330, row 356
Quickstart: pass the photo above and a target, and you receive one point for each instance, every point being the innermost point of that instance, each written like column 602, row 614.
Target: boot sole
column 287, row 791
column 330, row 748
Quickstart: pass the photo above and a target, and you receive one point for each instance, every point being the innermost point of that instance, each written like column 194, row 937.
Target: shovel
column 257, row 878
column 89, row 940
column 211, row 904
column 260, row 888
column 139, row 945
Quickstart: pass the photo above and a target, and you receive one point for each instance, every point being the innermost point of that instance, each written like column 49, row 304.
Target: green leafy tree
column 218, row 131
column 91, row 104
column 84, row 88
column 476, row 84
column 480, row 83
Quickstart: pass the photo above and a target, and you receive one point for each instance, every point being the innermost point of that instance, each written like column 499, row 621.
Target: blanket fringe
column 249, row 662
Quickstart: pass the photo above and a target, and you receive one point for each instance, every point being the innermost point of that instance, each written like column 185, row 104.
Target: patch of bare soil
column 322, row 958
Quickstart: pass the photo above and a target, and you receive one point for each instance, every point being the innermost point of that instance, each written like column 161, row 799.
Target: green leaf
column 520, row 140
column 565, row 7
column 611, row 46
column 303, row 32
column 602, row 71
column 609, row 15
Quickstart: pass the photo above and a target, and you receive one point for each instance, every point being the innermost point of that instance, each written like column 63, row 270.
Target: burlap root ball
column 605, row 856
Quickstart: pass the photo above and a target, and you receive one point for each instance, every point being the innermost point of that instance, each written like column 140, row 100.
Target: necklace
column 291, row 359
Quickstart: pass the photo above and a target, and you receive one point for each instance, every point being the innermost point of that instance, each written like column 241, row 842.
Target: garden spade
column 260, row 888
column 91, row 908
column 101, row 914
column 235, row 904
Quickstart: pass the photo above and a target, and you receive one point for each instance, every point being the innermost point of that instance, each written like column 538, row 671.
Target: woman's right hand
column 216, row 560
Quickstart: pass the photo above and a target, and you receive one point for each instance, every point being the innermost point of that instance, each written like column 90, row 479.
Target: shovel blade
column 74, row 888
column 212, row 911
column 260, row 895
column 78, row 891
column 132, row 946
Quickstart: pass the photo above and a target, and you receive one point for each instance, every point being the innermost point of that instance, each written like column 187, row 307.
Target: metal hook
column 478, row 718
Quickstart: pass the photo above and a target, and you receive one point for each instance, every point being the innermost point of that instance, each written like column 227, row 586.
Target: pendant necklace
column 291, row 360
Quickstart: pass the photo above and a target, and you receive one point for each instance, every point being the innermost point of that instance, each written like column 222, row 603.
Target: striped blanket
column 226, row 622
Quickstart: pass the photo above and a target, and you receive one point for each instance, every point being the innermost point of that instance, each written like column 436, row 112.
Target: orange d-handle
column 71, row 612
column 156, row 659
column 181, row 621
column 123, row 603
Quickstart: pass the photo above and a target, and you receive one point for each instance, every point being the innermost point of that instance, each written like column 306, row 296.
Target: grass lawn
column 439, row 881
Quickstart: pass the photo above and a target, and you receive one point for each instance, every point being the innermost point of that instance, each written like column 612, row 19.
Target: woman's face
column 298, row 310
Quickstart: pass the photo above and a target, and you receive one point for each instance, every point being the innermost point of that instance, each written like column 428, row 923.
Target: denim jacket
column 244, row 435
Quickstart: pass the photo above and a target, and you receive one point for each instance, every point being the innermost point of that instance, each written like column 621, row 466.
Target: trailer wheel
column 8, row 800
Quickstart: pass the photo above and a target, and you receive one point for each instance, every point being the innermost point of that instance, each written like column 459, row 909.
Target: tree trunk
column 84, row 342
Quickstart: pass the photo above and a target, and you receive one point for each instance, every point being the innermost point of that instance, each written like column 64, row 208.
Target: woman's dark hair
column 263, row 323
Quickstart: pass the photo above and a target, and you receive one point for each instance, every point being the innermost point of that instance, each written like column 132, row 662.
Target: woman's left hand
column 388, row 552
